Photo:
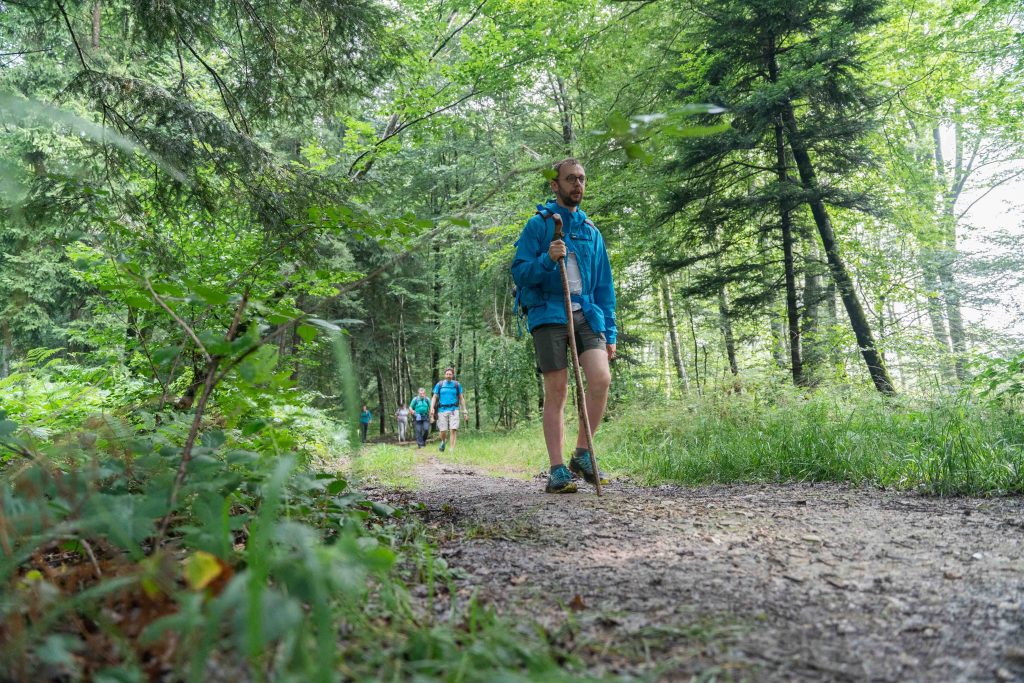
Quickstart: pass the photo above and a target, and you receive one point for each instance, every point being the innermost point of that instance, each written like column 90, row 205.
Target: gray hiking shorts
column 551, row 342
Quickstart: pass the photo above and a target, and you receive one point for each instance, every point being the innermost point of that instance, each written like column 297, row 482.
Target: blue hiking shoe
column 441, row 448
column 582, row 465
column 560, row 481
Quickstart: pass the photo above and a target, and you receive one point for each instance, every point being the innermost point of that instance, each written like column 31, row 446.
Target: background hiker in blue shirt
column 448, row 397
column 420, row 407
column 539, row 291
column 364, row 421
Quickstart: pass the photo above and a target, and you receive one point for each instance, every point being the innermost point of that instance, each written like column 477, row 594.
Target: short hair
column 570, row 161
column 449, row 368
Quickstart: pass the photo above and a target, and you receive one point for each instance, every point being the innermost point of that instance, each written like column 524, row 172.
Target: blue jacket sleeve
column 604, row 291
column 532, row 264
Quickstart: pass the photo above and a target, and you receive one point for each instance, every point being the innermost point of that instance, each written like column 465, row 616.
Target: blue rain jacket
column 539, row 282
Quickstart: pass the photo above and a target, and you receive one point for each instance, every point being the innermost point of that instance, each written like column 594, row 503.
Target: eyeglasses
column 573, row 179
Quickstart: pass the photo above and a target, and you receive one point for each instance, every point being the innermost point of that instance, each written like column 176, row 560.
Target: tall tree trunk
column 693, row 335
column 97, row 7
column 895, row 360
column 947, row 226
column 476, row 388
column 951, row 294
column 813, row 355
column 664, row 371
column 396, row 370
column 725, row 322
column 381, row 404
column 779, row 334
column 858, row 319
column 435, row 357
column 928, row 262
column 792, row 311
column 564, row 112
column 5, row 349
column 673, row 334
column 400, row 352
column 934, row 309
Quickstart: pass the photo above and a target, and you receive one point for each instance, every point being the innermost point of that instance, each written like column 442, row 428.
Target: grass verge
column 949, row 446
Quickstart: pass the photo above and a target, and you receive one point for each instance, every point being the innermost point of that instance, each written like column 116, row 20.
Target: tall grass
column 942, row 446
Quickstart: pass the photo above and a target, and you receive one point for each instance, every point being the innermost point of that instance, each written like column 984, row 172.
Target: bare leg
column 451, row 445
column 599, row 378
column 555, row 390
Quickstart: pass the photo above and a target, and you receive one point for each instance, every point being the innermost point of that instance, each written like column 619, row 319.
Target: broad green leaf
column 210, row 295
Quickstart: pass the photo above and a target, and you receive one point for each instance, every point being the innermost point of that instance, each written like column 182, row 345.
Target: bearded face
column 569, row 185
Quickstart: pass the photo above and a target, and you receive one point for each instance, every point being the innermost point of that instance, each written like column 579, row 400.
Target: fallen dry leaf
column 577, row 604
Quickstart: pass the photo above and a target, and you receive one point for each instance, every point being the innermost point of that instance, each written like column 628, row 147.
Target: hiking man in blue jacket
column 539, row 290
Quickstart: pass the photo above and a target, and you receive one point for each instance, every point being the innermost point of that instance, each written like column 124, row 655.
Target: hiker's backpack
column 458, row 391
column 519, row 309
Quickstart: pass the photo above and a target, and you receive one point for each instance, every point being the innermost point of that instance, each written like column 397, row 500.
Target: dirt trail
column 763, row 583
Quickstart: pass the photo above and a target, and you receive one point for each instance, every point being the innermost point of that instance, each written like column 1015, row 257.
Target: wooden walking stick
column 581, row 400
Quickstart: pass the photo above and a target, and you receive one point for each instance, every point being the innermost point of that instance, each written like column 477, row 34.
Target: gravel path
column 762, row 583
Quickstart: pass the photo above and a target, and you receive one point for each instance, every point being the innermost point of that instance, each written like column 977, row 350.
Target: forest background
column 226, row 225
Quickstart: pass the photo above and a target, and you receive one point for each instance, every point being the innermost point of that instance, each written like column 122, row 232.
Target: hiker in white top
column 402, row 414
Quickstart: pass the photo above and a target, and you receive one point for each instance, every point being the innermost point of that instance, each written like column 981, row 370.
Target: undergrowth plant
column 947, row 445
column 196, row 524
column 268, row 572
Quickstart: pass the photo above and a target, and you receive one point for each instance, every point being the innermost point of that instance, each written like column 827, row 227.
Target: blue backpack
column 519, row 309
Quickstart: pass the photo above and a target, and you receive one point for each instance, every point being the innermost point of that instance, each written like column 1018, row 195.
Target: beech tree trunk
column 947, row 226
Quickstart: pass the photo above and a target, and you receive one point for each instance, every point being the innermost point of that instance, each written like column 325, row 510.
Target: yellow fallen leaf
column 202, row 568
